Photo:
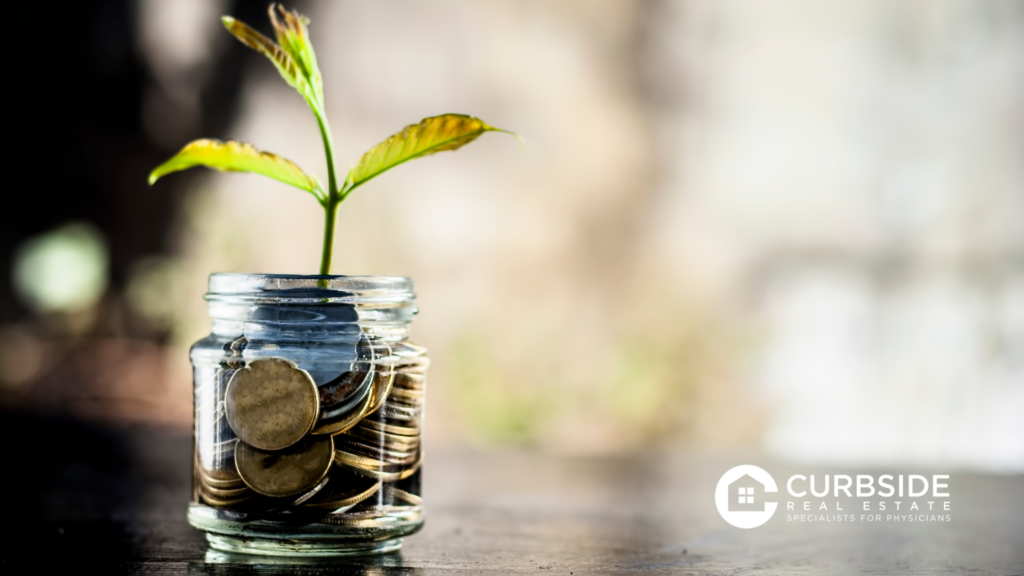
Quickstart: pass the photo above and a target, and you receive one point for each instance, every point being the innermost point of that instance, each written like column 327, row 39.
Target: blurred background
column 794, row 226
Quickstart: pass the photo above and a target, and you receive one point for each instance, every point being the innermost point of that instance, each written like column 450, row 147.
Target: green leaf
column 293, row 37
column 283, row 61
column 237, row 157
column 431, row 135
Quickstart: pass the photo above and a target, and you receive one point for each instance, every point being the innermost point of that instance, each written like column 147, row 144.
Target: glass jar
column 309, row 402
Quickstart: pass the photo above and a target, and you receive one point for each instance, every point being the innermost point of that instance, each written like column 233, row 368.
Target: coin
column 226, row 493
column 343, row 422
column 344, row 393
column 382, row 384
column 381, row 389
column 287, row 472
column 354, row 446
column 358, row 386
column 412, row 356
column 396, row 411
column 390, row 428
column 384, row 439
column 378, row 393
column 413, row 383
column 373, row 468
column 409, row 497
column 311, row 493
column 378, row 348
column 214, row 501
column 221, row 484
column 233, row 352
column 361, row 462
column 271, row 403
column 219, row 479
column 344, row 490
column 414, row 397
column 417, row 366
column 216, row 477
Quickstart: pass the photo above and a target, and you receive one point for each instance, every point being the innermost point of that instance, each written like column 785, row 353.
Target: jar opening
column 309, row 289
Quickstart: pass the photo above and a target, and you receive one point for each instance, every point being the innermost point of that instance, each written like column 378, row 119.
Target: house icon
column 746, row 495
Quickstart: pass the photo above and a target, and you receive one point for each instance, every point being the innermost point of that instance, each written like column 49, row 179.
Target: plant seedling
column 294, row 58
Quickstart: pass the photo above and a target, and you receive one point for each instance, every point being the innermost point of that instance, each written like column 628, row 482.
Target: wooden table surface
column 84, row 499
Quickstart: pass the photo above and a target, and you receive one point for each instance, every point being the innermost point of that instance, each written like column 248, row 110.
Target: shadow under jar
column 309, row 402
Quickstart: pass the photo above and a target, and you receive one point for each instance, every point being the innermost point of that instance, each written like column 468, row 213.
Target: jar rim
column 312, row 288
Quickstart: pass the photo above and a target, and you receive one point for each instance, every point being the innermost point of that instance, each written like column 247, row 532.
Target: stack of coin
column 216, row 481
column 349, row 446
column 385, row 445
column 220, row 487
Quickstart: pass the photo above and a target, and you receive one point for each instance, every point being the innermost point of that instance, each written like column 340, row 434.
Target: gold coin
column 222, row 502
column 216, row 477
column 416, row 366
column 362, row 462
column 404, row 496
column 385, row 476
column 384, row 439
column 344, row 393
column 346, row 421
column 372, row 468
column 288, row 472
column 382, row 386
column 411, row 358
column 226, row 493
column 380, row 393
column 337, row 424
column 311, row 493
column 412, row 383
column 354, row 446
column 271, row 403
column 390, row 428
column 224, row 484
column 414, row 397
column 396, row 411
column 344, row 490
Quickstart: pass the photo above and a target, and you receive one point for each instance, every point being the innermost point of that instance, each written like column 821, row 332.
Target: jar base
column 346, row 537
column 315, row 548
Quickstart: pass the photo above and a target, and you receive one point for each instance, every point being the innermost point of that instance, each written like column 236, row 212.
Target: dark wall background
column 75, row 148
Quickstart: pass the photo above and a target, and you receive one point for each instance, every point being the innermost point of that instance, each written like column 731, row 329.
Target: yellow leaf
column 237, row 157
column 431, row 135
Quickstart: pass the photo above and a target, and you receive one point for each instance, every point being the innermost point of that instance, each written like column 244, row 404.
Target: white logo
column 740, row 496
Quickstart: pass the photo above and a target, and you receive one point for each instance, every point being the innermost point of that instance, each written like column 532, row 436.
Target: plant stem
column 334, row 197
column 325, row 258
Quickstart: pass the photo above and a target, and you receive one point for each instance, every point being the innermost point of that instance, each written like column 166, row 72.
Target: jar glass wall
column 309, row 402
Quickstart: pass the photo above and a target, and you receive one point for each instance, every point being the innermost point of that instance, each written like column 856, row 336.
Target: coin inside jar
column 342, row 394
column 287, row 472
column 271, row 403
column 344, row 489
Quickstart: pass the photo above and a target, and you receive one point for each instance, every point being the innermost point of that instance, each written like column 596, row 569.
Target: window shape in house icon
column 746, row 495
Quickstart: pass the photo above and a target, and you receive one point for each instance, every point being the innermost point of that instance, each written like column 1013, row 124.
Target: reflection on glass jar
column 309, row 403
